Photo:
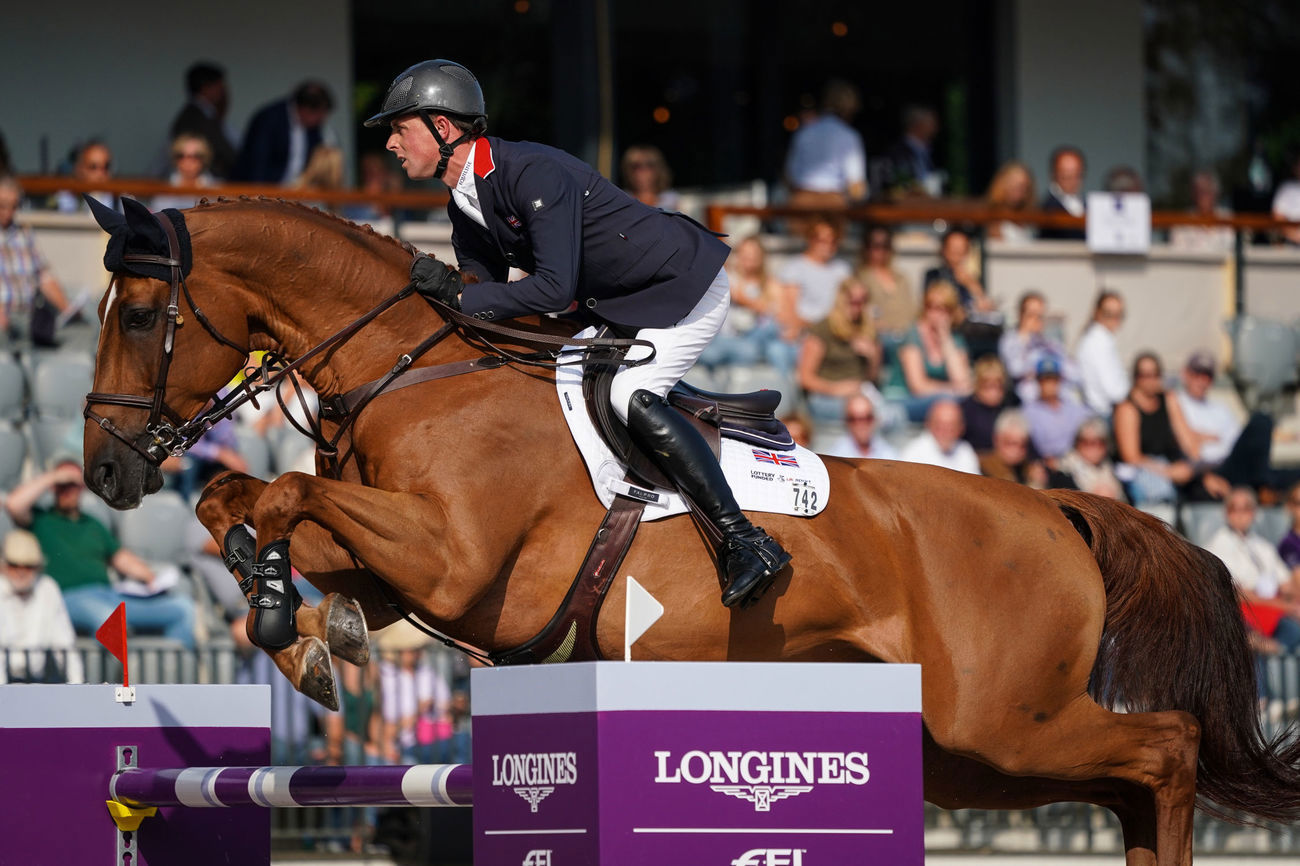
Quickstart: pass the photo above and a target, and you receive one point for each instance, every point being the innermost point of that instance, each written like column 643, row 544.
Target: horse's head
column 160, row 357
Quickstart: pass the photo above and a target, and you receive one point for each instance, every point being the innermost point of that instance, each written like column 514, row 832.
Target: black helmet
column 440, row 86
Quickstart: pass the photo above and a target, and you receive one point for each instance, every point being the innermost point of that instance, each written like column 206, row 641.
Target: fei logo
column 763, row 778
column 534, row 775
column 538, row 857
column 771, row 857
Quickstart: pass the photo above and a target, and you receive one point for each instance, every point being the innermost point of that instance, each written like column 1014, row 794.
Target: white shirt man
column 1105, row 381
column 941, row 444
column 1216, row 426
column 33, row 618
column 861, row 438
column 1253, row 562
column 826, row 155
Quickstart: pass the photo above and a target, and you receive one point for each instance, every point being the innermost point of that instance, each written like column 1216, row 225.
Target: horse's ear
column 107, row 218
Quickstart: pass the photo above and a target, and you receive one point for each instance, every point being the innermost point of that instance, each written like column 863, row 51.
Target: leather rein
column 168, row 434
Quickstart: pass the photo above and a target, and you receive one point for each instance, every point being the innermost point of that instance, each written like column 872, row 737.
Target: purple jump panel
column 59, row 745
column 652, row 763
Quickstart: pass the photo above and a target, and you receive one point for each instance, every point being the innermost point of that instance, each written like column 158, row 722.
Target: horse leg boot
column 750, row 558
column 273, row 603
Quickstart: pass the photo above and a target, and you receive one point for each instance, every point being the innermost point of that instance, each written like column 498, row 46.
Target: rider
column 586, row 245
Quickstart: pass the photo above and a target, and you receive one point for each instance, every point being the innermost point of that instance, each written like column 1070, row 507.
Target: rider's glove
column 435, row 280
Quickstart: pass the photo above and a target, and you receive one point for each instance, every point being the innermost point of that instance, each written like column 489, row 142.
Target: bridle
column 168, row 434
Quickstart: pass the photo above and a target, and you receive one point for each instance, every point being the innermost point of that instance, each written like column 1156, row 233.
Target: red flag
column 112, row 634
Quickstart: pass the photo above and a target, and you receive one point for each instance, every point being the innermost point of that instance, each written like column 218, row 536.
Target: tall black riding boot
column 750, row 557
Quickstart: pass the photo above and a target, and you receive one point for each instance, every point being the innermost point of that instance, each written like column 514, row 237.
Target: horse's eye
column 138, row 318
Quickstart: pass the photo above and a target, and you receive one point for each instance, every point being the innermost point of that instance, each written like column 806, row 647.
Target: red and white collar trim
column 484, row 165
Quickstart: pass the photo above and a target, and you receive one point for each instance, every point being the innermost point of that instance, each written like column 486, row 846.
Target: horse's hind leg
column 1150, row 758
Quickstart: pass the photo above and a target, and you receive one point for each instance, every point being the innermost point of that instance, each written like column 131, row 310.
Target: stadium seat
column 13, row 390
column 13, row 453
column 255, row 450
column 156, row 530
column 1201, row 520
column 61, row 384
column 1263, row 357
column 52, row 436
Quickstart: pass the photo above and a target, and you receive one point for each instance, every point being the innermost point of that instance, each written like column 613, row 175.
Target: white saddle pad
column 779, row 482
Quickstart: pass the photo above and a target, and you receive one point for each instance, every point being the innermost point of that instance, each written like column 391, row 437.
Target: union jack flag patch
column 775, row 458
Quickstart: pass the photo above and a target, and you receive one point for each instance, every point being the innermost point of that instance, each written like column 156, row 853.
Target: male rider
column 586, row 247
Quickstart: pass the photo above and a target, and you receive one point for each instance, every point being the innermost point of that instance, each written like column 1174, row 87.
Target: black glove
column 435, row 280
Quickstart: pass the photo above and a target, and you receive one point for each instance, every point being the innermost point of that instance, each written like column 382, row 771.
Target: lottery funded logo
column 762, row 778
column 534, row 775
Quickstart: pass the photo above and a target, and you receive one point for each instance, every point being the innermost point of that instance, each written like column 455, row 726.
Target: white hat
column 22, row 548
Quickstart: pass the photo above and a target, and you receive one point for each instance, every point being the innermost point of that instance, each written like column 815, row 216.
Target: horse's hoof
column 317, row 678
column 345, row 631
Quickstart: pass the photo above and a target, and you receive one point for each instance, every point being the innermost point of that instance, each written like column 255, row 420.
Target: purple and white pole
column 296, row 787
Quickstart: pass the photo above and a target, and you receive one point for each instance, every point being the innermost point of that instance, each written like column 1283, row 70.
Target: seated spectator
column 377, row 178
column 647, row 178
column 204, row 114
column 23, row 271
column 957, row 269
column 1286, row 201
column 1105, row 382
column 1269, row 597
column 1065, row 192
column 78, row 550
column 760, row 324
column 839, row 355
column 1022, row 349
column 1123, row 178
column 861, row 438
column 981, row 408
column 37, row 643
column 1219, row 444
column 907, row 169
column 1053, row 418
column 1012, row 189
column 932, row 362
column 817, row 273
column 1289, row 547
column 190, row 157
column 283, row 135
column 940, row 444
column 800, row 428
column 1148, row 429
column 1205, row 203
column 216, row 451
column 892, row 299
column 1012, row 458
column 94, row 164
column 1088, row 464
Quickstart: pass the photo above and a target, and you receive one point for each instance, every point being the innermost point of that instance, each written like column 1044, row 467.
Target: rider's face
column 414, row 146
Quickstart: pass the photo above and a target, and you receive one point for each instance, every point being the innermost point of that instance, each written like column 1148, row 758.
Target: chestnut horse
column 1033, row 615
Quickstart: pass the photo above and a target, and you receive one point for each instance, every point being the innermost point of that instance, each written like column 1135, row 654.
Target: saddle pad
column 778, row 482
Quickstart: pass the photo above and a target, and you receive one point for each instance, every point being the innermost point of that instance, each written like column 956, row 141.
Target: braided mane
column 365, row 228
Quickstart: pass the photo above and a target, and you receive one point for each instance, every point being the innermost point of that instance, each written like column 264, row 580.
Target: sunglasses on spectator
column 862, row 419
column 639, row 165
column 187, row 154
column 1148, row 374
column 21, row 565
column 1091, row 440
column 944, row 307
column 98, row 166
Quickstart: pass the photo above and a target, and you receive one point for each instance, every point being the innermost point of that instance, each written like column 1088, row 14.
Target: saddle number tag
column 805, row 497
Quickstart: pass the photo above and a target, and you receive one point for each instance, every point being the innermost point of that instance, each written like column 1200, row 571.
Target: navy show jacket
column 580, row 239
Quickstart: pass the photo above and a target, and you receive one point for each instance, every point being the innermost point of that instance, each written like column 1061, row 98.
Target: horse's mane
column 346, row 224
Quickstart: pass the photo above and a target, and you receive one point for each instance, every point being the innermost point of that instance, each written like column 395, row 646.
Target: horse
column 1072, row 648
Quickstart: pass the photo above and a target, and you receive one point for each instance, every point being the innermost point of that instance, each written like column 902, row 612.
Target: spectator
column 933, row 362
column 1053, row 418
column 647, row 178
column 1289, row 547
column 79, row 549
column 190, row 156
column 1205, row 203
column 1012, row 189
column 760, row 323
column 839, row 355
column 1089, row 465
column 34, row 623
column 940, row 444
column 1148, row 429
column 981, row 408
column 216, row 451
column 1012, row 456
column 377, row 178
column 1286, row 201
column 1219, row 444
column 826, row 167
column 1022, row 349
column 893, row 301
column 1123, row 178
column 283, row 136
column 1267, row 591
column 861, row 437
column 94, row 164
column 204, row 115
column 957, row 269
column 23, row 270
column 800, row 428
column 817, row 273
column 1102, row 372
column 1065, row 192
column 908, row 169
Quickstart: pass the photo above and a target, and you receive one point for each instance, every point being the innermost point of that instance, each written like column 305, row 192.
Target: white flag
column 643, row 610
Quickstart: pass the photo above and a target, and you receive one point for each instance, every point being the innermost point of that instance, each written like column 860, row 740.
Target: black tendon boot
column 273, row 598
column 750, row 557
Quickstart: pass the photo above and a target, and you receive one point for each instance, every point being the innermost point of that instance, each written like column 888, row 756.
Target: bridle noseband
column 166, row 433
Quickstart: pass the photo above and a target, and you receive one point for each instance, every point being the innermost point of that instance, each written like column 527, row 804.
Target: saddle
column 570, row 635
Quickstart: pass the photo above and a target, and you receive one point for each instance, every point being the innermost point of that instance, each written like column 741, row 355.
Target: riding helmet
column 441, row 86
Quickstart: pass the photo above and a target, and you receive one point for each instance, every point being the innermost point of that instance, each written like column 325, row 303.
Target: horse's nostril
column 104, row 478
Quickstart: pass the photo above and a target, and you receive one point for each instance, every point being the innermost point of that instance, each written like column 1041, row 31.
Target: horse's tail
column 1174, row 639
